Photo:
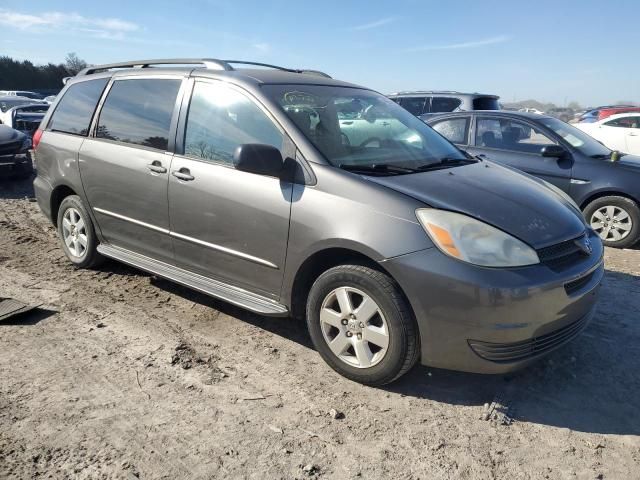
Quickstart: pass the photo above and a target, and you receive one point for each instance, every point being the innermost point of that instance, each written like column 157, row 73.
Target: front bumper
column 19, row 164
column 495, row 320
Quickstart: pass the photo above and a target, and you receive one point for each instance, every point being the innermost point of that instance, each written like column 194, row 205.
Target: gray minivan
column 289, row 193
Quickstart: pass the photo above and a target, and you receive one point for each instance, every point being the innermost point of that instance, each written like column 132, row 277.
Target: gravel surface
column 125, row 375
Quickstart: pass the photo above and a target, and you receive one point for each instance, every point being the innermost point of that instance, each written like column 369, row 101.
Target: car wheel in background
column 362, row 325
column 77, row 234
column 615, row 219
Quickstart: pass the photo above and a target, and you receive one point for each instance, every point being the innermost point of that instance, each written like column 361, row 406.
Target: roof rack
column 210, row 63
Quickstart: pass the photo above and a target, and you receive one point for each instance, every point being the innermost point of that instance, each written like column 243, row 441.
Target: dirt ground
column 125, row 375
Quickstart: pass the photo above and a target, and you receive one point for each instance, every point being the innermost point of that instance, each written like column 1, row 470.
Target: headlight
column 473, row 241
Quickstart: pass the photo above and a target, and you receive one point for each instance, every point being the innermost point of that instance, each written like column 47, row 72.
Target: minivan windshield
column 578, row 139
column 361, row 130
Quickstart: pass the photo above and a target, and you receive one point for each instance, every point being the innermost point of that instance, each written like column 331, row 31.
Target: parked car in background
column 605, row 190
column 20, row 93
column 399, row 247
column 561, row 113
column 22, row 114
column 531, row 110
column 592, row 114
column 15, row 159
column 607, row 112
column 426, row 103
column 618, row 132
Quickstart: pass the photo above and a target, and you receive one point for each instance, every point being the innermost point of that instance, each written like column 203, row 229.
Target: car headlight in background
column 473, row 241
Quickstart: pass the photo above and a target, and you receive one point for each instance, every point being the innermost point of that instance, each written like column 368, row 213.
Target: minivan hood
column 513, row 202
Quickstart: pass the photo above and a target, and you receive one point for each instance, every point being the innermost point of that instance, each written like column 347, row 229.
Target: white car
column 531, row 110
column 618, row 132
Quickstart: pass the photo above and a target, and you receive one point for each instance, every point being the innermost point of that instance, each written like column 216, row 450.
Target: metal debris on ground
column 10, row 307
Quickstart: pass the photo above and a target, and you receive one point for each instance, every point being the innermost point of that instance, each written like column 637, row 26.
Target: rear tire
column 77, row 235
column 362, row 325
column 615, row 219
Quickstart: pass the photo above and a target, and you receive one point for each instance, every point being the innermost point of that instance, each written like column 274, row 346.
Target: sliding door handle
column 183, row 174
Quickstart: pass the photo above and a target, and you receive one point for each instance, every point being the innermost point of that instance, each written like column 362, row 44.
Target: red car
column 607, row 112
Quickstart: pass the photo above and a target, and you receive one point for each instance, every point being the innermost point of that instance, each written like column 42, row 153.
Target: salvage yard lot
column 125, row 375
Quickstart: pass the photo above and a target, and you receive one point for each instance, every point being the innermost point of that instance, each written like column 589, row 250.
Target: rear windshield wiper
column 377, row 168
column 446, row 162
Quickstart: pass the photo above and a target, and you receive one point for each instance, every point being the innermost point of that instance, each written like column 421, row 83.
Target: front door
column 518, row 144
column 227, row 224
column 125, row 165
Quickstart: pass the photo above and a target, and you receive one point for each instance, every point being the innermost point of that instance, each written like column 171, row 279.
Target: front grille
column 577, row 285
column 10, row 148
column 512, row 352
column 562, row 255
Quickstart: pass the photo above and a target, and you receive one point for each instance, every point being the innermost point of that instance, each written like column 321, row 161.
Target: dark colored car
column 424, row 104
column 15, row 159
column 291, row 193
column 606, row 191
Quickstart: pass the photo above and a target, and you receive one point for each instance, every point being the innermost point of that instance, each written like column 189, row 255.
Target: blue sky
column 548, row 50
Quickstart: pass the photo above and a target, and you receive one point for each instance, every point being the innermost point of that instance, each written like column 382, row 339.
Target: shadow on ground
column 29, row 318
column 16, row 188
column 590, row 385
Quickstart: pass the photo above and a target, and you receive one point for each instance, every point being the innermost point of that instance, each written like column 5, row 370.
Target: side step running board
column 237, row 296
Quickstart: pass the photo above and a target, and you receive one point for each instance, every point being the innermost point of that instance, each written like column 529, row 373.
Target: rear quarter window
column 444, row 104
column 73, row 113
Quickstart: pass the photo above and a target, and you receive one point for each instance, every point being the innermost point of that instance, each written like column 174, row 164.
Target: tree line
column 24, row 75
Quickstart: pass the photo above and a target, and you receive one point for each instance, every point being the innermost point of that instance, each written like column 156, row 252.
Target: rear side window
column 486, row 103
column 139, row 112
column 444, row 104
column 455, row 130
column 220, row 119
column 73, row 113
column 415, row 105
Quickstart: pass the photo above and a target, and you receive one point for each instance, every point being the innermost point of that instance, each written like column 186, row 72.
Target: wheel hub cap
column 611, row 223
column 354, row 327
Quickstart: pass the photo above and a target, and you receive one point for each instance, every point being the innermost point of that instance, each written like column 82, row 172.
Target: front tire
column 362, row 325
column 77, row 234
column 615, row 219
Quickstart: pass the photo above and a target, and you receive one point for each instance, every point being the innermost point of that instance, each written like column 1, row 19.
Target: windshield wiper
column 377, row 168
column 446, row 162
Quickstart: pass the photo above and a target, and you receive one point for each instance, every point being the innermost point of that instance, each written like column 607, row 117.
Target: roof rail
column 210, row 63
column 292, row 70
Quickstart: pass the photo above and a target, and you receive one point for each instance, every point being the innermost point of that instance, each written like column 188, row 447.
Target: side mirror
column 259, row 159
column 552, row 151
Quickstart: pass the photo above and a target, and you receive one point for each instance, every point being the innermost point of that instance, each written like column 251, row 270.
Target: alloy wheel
column 611, row 223
column 354, row 327
column 74, row 232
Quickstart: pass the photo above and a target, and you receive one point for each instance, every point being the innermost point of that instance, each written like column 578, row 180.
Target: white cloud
column 463, row 45
column 375, row 24
column 262, row 47
column 111, row 28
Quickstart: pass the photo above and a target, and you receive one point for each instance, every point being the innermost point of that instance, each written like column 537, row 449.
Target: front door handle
column 633, row 134
column 156, row 167
column 183, row 174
